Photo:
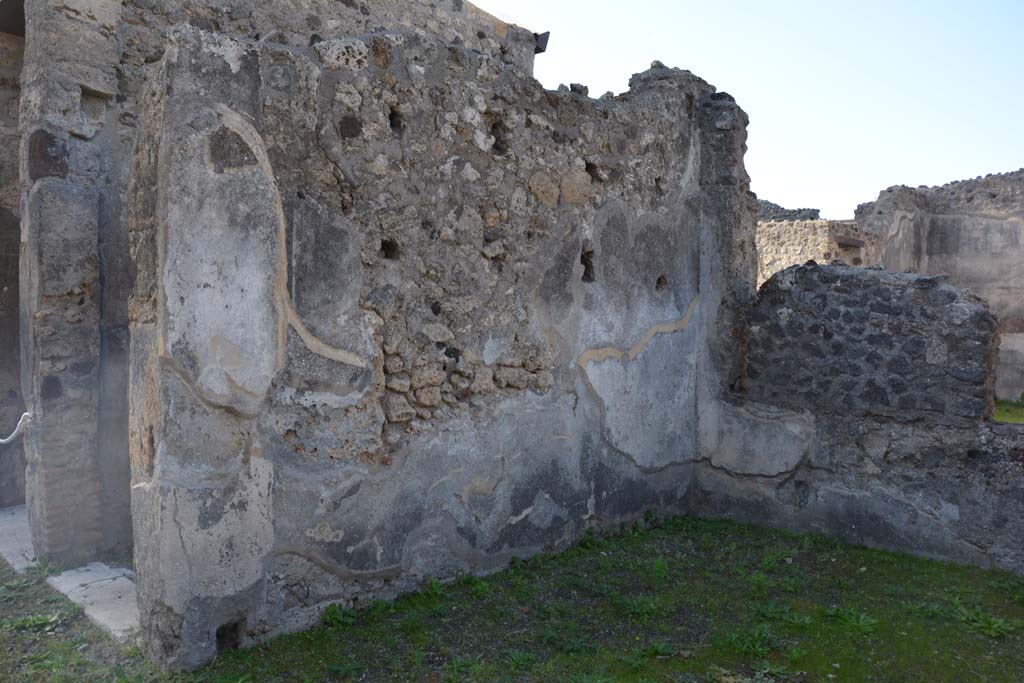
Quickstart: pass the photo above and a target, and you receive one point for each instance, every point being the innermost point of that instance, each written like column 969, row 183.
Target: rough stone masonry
column 863, row 411
column 410, row 315
column 355, row 302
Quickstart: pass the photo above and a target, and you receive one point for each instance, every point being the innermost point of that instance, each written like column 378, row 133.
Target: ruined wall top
column 303, row 23
column 998, row 194
column 767, row 211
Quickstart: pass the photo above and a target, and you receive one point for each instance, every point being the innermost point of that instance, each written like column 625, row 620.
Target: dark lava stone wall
column 858, row 341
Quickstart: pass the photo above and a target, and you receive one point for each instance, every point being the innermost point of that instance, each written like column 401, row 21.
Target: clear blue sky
column 845, row 98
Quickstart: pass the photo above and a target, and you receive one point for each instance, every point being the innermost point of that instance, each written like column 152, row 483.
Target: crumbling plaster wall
column 84, row 77
column 972, row 230
column 863, row 412
column 402, row 313
column 12, row 456
column 785, row 243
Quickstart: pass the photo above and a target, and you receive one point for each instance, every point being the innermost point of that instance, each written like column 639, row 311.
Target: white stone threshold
column 106, row 594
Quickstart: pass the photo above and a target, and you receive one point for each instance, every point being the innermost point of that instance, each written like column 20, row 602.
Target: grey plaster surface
column 15, row 539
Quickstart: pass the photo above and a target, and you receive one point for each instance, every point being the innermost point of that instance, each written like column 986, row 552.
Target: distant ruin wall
column 401, row 314
column 972, row 230
column 781, row 244
column 864, row 412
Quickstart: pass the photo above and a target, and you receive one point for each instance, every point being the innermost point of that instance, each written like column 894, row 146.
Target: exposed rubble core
column 781, row 244
column 972, row 230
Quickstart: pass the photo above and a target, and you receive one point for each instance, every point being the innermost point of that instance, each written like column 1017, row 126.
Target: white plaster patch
column 323, row 533
column 757, row 440
column 230, row 50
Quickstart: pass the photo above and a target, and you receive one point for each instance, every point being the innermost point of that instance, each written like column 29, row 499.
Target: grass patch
column 1010, row 411
column 682, row 600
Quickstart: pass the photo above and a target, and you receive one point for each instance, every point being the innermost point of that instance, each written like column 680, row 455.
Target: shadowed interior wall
column 12, row 456
column 73, row 344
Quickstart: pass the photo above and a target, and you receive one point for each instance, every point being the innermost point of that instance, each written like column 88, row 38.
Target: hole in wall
column 314, row 39
column 396, row 120
column 435, row 308
column 428, row 226
column 500, row 133
column 389, row 249
column 661, row 284
column 587, row 259
column 229, row 636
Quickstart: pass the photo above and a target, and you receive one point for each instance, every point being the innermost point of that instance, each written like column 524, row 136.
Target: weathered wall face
column 781, row 244
column 864, row 414
column 973, row 231
column 402, row 313
column 12, row 457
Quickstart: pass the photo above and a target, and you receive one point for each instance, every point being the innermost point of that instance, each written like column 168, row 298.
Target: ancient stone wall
column 12, row 457
column 397, row 312
column 402, row 313
column 972, row 230
column 864, row 412
column 781, row 244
